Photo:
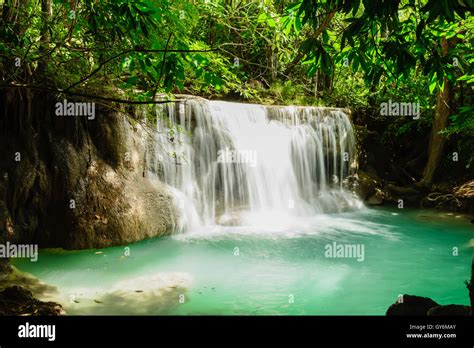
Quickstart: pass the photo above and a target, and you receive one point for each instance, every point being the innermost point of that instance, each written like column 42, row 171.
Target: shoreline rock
column 18, row 301
column 375, row 191
column 410, row 305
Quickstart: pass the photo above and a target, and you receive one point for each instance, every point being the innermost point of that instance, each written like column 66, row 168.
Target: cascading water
column 252, row 165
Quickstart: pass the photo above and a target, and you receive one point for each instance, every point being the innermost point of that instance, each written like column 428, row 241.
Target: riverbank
column 19, row 293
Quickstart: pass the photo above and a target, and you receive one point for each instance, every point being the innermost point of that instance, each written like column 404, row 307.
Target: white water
column 289, row 162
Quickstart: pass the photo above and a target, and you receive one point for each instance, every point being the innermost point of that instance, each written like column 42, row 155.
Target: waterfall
column 244, row 164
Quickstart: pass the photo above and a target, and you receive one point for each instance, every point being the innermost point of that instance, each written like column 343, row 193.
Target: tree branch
column 162, row 66
column 324, row 24
column 117, row 100
column 95, row 71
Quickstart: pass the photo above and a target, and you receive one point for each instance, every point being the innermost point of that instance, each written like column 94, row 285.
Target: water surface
column 239, row 270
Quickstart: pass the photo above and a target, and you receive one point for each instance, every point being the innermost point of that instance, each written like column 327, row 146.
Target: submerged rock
column 159, row 293
column 16, row 300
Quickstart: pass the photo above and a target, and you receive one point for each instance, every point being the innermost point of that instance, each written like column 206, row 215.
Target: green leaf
column 131, row 81
column 433, row 83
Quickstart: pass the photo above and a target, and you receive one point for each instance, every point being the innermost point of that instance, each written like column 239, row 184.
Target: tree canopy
column 353, row 53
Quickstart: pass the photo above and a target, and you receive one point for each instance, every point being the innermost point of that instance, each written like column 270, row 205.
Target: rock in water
column 411, row 305
column 16, row 300
column 452, row 309
column 157, row 294
column 374, row 200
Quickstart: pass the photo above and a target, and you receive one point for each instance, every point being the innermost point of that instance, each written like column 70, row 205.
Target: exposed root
column 439, row 200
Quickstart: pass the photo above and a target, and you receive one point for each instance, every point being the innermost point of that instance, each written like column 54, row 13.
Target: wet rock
column 422, row 306
column 452, row 309
column 412, row 305
column 81, row 184
column 366, row 185
column 16, row 300
column 403, row 190
column 228, row 220
column 229, row 217
column 465, row 191
column 411, row 194
column 374, row 200
column 115, row 203
column 465, row 195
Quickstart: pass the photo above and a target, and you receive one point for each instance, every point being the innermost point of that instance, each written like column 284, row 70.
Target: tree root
column 439, row 199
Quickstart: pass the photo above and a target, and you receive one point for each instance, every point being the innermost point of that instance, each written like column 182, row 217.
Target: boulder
column 452, row 309
column 364, row 184
column 465, row 191
column 16, row 300
column 410, row 194
column 412, row 306
column 465, row 196
column 377, row 198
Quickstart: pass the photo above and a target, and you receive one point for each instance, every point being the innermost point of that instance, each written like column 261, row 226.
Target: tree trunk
column 46, row 15
column 470, row 287
column 273, row 64
column 9, row 11
column 323, row 25
column 440, row 122
column 45, row 38
column 437, row 141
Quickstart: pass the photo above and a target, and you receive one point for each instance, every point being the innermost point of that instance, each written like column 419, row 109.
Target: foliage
column 349, row 53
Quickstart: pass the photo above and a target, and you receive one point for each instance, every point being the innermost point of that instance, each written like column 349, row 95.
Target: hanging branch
column 162, row 65
column 117, row 100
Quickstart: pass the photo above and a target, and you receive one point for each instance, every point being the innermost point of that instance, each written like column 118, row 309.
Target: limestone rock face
column 112, row 201
column 79, row 183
